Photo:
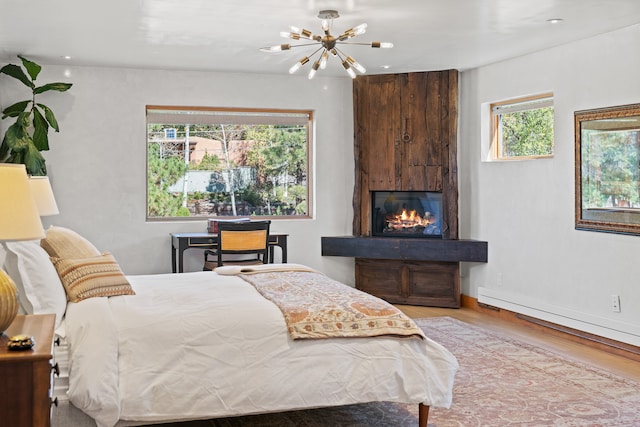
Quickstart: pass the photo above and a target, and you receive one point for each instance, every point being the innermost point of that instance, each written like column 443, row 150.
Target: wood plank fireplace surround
column 406, row 140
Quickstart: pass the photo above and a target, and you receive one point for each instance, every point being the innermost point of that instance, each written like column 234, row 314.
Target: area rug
column 501, row 382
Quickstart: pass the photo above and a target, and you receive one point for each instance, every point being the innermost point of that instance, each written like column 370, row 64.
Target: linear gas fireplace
column 406, row 214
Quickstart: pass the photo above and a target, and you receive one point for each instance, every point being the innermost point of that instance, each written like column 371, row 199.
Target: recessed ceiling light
column 555, row 20
column 385, row 66
column 67, row 57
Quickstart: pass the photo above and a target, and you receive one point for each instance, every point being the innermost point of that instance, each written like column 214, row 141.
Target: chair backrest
column 247, row 237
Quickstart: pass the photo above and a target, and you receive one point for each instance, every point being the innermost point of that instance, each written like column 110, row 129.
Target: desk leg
column 173, row 258
column 183, row 244
column 283, row 245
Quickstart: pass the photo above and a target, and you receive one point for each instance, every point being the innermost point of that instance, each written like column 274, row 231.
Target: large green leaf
column 15, row 109
column 40, row 131
column 60, row 87
column 17, row 73
column 4, row 151
column 51, row 118
column 32, row 68
column 34, row 161
column 16, row 138
column 23, row 119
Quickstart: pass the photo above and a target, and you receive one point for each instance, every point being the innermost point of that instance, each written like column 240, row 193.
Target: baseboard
column 605, row 344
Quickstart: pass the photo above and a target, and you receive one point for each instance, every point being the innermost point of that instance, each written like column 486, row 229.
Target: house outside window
column 228, row 162
column 522, row 128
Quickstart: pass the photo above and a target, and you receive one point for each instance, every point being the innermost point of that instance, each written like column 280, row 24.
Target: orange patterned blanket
column 316, row 306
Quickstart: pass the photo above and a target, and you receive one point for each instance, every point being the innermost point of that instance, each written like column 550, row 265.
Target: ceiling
column 226, row 34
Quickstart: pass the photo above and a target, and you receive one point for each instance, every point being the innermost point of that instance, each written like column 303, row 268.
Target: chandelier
column 326, row 45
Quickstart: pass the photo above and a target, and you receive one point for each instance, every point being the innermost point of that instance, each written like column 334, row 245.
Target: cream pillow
column 99, row 276
column 39, row 288
column 61, row 242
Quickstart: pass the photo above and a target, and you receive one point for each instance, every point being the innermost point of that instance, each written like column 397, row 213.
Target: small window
column 210, row 162
column 522, row 128
column 170, row 133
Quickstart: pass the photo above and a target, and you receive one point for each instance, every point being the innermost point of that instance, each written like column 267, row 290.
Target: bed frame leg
column 423, row 415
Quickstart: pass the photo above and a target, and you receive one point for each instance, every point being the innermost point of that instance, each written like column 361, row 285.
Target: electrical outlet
column 615, row 303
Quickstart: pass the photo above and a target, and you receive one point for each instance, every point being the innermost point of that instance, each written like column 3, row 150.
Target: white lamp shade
column 43, row 195
column 19, row 219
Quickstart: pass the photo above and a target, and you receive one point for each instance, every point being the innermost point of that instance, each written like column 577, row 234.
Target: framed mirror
column 607, row 169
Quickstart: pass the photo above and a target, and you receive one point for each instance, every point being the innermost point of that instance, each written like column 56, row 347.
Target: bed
column 206, row 345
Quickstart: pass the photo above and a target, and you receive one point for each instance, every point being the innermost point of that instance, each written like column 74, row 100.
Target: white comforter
column 202, row 345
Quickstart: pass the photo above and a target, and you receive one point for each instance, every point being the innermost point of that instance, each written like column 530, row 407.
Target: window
column 211, row 162
column 522, row 128
column 170, row 133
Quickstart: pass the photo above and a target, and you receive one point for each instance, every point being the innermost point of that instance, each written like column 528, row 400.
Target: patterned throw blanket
column 315, row 306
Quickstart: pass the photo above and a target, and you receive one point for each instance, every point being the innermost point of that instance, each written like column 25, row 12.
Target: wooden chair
column 248, row 238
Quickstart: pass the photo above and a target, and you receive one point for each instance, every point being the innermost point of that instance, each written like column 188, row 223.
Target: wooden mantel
column 413, row 249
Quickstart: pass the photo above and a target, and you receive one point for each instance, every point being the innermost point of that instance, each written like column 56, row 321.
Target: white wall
column 538, row 263
column 97, row 162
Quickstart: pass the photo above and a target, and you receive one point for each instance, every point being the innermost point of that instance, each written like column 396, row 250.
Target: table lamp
column 19, row 220
column 43, row 195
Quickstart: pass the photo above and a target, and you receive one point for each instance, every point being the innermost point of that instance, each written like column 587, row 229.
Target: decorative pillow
column 92, row 277
column 39, row 288
column 61, row 242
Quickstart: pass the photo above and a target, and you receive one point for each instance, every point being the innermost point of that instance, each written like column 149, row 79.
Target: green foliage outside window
column 610, row 174
column 527, row 133
column 162, row 173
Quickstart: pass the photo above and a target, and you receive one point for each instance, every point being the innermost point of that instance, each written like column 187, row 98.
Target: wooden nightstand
column 26, row 377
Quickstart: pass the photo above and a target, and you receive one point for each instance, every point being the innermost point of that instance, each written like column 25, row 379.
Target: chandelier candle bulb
column 384, row 45
column 356, row 65
column 314, row 68
column 276, row 48
column 323, row 60
column 298, row 64
column 288, row 35
column 348, row 68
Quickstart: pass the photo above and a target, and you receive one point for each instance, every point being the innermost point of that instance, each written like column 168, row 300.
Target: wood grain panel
column 405, row 140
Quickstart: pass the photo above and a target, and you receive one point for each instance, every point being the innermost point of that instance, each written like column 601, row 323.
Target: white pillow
column 39, row 287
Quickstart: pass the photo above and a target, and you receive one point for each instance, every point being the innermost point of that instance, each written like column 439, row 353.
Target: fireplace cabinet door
column 425, row 283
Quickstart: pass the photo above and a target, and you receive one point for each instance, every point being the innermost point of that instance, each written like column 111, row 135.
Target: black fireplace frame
column 384, row 203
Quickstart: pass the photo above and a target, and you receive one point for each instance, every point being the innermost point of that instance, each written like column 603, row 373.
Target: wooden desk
column 183, row 241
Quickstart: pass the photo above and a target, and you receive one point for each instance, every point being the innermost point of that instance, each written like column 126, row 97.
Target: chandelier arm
column 353, row 43
column 316, row 51
column 340, row 54
column 306, row 44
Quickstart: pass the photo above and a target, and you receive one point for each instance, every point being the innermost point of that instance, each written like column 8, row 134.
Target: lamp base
column 8, row 301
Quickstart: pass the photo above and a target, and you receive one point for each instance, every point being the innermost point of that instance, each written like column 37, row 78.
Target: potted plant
column 28, row 136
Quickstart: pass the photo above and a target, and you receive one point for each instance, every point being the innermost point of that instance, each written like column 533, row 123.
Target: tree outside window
column 227, row 162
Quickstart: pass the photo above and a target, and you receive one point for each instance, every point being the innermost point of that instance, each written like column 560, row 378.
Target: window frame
column 274, row 112
column 524, row 103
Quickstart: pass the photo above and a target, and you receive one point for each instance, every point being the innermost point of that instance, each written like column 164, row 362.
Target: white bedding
column 202, row 345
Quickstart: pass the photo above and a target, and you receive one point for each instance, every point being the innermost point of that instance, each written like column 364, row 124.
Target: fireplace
column 406, row 214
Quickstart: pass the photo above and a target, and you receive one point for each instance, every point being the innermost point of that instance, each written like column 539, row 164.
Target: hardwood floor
column 613, row 363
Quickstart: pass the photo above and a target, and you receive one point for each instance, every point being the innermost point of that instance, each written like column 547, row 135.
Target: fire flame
column 409, row 219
